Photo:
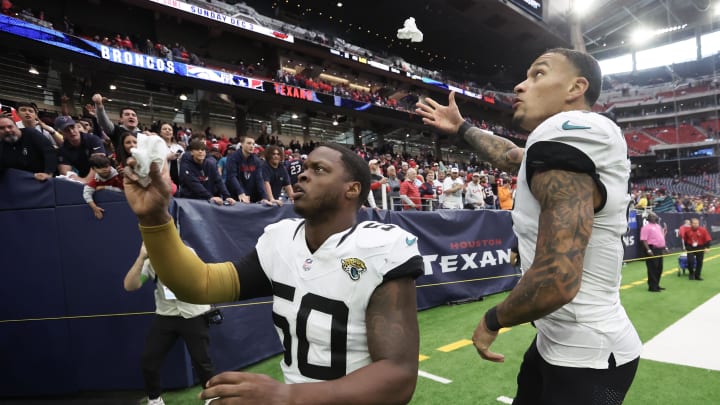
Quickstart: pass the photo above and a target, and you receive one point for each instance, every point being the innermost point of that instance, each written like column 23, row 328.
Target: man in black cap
column 75, row 152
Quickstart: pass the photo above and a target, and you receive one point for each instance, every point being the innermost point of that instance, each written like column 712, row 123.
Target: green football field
column 446, row 350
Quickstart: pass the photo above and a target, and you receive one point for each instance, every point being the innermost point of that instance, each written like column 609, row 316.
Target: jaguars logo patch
column 353, row 267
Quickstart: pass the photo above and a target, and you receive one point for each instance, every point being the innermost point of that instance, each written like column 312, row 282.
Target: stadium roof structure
column 492, row 40
column 609, row 25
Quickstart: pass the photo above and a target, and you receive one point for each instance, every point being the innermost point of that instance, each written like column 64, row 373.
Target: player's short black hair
column 357, row 169
column 588, row 67
column 99, row 161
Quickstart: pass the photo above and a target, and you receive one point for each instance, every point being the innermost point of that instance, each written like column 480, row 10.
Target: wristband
column 463, row 129
column 491, row 320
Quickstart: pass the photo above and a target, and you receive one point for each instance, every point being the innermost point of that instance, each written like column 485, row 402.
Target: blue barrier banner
column 466, row 254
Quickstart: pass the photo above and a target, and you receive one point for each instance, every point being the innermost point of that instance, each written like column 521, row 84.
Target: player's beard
column 517, row 120
column 318, row 208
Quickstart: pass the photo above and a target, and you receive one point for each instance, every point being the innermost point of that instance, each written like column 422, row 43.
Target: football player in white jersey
column 343, row 292
column 569, row 216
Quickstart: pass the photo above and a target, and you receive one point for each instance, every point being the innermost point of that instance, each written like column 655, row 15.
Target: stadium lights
column 33, row 70
column 335, row 122
column 339, row 4
column 183, row 97
column 581, row 8
column 113, row 87
column 294, row 116
column 642, row 34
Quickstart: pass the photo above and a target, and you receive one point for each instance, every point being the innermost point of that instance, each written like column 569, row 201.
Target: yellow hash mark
column 625, row 287
column 455, row 346
column 638, row 282
column 423, row 357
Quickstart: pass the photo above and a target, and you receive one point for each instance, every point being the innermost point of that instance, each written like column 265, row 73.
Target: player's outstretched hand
column 482, row 339
column 149, row 203
column 233, row 387
column 445, row 118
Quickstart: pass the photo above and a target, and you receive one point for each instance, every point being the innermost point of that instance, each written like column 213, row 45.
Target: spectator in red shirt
column 409, row 193
column 697, row 242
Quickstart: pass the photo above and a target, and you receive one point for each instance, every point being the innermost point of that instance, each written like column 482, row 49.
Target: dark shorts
column 541, row 383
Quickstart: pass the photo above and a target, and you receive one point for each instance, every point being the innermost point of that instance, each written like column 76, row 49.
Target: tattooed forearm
column 501, row 152
column 391, row 320
column 566, row 218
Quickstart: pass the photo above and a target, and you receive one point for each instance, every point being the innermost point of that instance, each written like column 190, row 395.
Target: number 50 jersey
column 320, row 298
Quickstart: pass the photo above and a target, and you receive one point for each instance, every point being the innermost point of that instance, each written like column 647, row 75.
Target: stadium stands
column 639, row 142
column 685, row 134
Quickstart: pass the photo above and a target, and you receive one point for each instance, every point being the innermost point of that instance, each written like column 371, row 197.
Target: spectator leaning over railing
column 106, row 178
column 26, row 149
column 76, row 150
column 244, row 174
column 275, row 176
column 199, row 178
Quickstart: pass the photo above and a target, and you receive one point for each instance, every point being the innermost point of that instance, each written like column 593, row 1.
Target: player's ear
column 578, row 88
column 353, row 190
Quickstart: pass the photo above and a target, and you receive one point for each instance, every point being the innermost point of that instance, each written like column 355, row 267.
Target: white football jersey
column 320, row 298
column 584, row 332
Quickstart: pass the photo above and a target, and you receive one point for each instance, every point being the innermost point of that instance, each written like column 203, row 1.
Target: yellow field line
column 455, row 345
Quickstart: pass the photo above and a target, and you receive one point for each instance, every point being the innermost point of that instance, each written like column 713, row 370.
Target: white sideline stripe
column 504, row 399
column 691, row 340
column 434, row 377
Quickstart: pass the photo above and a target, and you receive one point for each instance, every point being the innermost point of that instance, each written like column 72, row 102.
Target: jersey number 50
column 338, row 333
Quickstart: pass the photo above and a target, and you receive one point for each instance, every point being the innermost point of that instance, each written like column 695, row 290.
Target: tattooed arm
column 500, row 152
column 567, row 201
column 393, row 342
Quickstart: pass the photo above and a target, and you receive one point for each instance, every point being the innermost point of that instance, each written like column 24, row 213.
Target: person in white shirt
column 474, row 194
column 569, row 217
column 173, row 319
column 452, row 190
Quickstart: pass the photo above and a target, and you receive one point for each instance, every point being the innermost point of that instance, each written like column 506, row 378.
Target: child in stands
column 106, row 178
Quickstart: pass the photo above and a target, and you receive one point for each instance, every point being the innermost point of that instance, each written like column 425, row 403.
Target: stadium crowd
column 93, row 150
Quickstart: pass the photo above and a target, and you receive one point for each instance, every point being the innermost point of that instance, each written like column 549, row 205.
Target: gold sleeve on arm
column 181, row 270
